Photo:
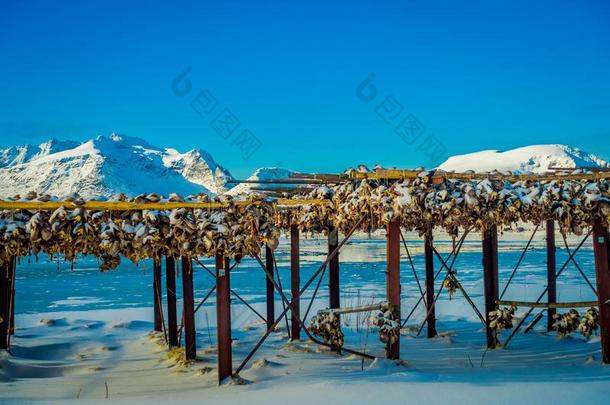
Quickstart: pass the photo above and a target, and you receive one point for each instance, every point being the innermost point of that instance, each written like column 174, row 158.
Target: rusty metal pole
column 429, row 258
column 295, row 283
column 157, row 295
column 188, row 303
column 172, row 316
column 4, row 299
column 223, row 317
column 393, row 279
column 551, row 272
column 490, row 278
column 333, row 269
column 270, row 290
column 601, row 250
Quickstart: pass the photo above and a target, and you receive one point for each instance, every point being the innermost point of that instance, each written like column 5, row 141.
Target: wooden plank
column 190, row 345
column 551, row 272
column 172, row 315
column 223, row 317
column 528, row 304
column 157, row 307
column 601, row 250
column 429, row 261
column 295, row 282
column 131, row 205
column 490, row 278
column 269, row 290
column 393, row 279
column 396, row 174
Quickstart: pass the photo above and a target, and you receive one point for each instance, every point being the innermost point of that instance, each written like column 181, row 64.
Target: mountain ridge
column 107, row 165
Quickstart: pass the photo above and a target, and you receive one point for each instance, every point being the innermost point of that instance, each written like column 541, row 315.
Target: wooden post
column 601, row 250
column 11, row 294
column 172, row 316
column 295, row 281
column 4, row 300
column 269, row 286
column 188, row 303
column 157, row 295
column 393, row 279
column 223, row 317
column 490, row 278
column 430, row 310
column 551, row 272
column 334, row 295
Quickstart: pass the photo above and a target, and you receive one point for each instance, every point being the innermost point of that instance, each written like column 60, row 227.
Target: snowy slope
column 264, row 173
column 534, row 158
column 22, row 154
column 105, row 166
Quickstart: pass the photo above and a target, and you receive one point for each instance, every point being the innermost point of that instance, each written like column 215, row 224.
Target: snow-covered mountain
column 534, row 159
column 264, row 173
column 105, row 166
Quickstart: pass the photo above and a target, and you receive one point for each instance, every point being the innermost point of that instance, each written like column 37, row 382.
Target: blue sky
column 473, row 75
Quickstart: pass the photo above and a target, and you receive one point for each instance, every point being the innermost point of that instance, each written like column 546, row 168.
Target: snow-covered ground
column 94, row 339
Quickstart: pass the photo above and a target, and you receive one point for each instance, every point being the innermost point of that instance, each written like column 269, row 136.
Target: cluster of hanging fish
column 501, row 318
column 589, row 322
column 426, row 201
column 566, row 323
column 450, row 283
column 388, row 322
column 571, row 321
column 451, row 204
column 327, row 326
column 236, row 230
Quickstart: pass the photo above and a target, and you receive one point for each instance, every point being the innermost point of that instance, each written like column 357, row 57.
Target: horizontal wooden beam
column 576, row 304
column 395, row 174
column 350, row 310
column 131, row 206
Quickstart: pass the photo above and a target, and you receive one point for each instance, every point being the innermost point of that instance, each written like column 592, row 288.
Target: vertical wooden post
column 550, row 272
column 223, row 317
column 490, row 278
column 11, row 294
column 269, row 287
column 393, row 279
column 602, row 277
column 4, row 299
column 188, row 303
column 157, row 295
column 430, row 310
column 295, row 282
column 172, row 317
column 334, row 295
